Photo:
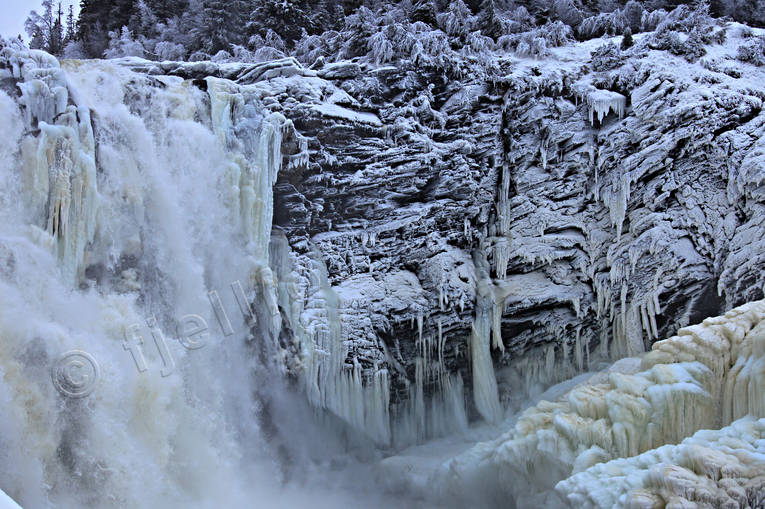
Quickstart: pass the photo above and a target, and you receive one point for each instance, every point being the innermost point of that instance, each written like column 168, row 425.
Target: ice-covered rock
column 600, row 238
column 713, row 468
column 707, row 376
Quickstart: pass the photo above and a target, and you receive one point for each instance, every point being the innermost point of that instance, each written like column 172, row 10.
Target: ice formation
column 484, row 382
column 603, row 102
column 707, row 376
column 125, row 201
column 713, row 468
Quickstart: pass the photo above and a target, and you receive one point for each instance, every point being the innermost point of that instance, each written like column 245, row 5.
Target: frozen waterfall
column 136, row 218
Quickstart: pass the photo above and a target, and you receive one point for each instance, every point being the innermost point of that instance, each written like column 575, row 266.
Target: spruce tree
column 166, row 9
column 627, row 41
column 71, row 26
column 221, row 24
column 56, row 41
column 92, row 26
column 288, row 18
column 488, row 20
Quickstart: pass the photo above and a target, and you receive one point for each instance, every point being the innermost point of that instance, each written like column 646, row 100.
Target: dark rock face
column 405, row 197
column 643, row 212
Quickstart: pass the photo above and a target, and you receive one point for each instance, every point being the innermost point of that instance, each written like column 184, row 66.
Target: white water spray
column 125, row 201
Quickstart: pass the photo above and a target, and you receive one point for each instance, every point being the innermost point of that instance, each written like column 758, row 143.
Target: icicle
column 497, row 310
column 440, row 345
column 602, row 102
column 485, row 392
column 419, row 325
column 62, row 179
column 543, row 152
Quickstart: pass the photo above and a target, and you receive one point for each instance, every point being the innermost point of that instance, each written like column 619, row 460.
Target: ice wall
column 713, row 468
column 705, row 377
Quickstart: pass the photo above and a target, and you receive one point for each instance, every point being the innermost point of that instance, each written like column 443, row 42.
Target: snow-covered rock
column 595, row 210
column 612, row 208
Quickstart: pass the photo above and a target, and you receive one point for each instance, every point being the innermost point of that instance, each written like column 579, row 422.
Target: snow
column 336, row 111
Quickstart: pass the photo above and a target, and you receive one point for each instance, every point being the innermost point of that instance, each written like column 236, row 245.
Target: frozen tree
column 166, row 50
column 274, row 40
column 606, row 57
column 310, row 48
column 627, row 41
column 432, row 50
column 166, row 9
column 651, row 20
column 287, row 18
column 478, row 44
column 71, row 26
column 567, row 12
column 56, row 43
column 425, row 11
column 46, row 30
column 313, row 48
column 557, row 33
column 359, row 27
column 380, row 48
column 74, row 50
column 633, row 16
column 746, row 11
column 488, row 21
column 96, row 20
column 753, row 51
column 143, row 21
column 122, row 44
column 611, row 23
column 457, row 20
column 220, row 24
column 698, row 26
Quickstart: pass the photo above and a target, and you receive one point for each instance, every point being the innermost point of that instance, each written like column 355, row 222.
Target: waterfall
column 136, row 217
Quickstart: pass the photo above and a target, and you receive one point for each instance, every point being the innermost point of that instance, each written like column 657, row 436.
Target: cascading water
column 135, row 211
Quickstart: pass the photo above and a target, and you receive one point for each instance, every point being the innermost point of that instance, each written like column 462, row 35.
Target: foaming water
column 125, row 201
